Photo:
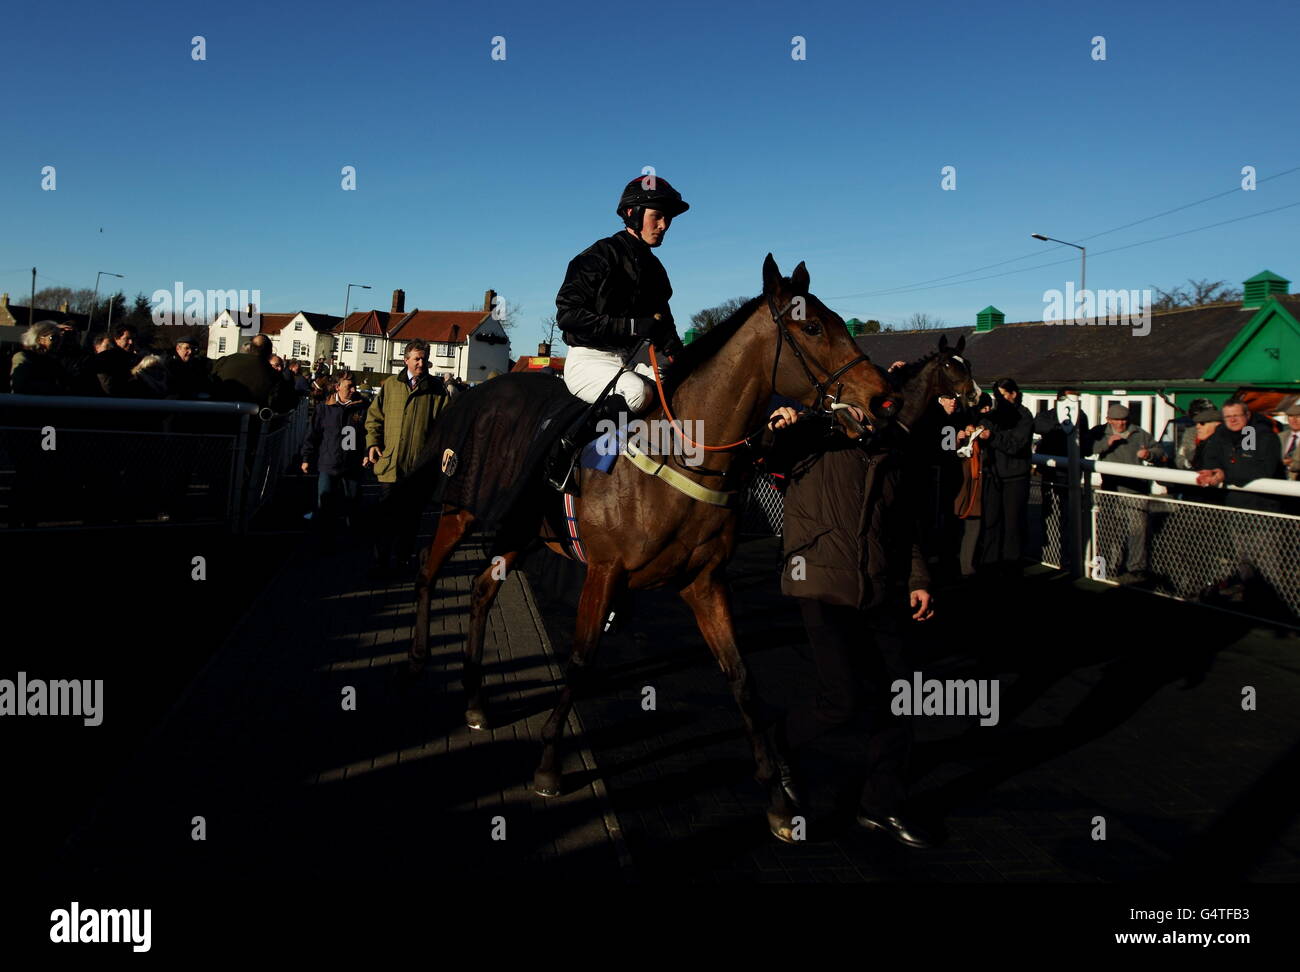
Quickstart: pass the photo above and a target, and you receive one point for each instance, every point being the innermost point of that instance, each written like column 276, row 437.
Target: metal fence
column 88, row 462
column 1239, row 560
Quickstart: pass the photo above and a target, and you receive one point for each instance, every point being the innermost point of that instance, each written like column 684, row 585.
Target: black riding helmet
column 649, row 192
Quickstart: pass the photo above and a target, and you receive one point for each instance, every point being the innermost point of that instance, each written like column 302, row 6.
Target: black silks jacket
column 613, row 279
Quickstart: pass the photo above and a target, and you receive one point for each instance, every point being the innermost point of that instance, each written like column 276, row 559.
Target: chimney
column 543, row 350
column 399, row 302
column 63, row 307
column 488, row 297
column 4, row 300
column 252, row 309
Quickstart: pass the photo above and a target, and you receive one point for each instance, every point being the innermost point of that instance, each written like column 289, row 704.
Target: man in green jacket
column 398, row 425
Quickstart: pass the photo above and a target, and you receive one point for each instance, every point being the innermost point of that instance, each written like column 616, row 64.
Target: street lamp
column 95, row 300
column 1073, row 528
column 1083, row 271
column 348, row 299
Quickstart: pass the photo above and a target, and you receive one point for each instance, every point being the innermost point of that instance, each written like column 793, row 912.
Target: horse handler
column 852, row 561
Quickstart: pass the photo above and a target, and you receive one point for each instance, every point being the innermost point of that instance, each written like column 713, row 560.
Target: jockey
column 608, row 304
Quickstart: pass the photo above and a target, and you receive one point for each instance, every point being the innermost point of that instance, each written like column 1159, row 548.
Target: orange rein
column 654, row 365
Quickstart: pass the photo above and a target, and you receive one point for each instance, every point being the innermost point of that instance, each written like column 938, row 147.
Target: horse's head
column 815, row 358
column 955, row 376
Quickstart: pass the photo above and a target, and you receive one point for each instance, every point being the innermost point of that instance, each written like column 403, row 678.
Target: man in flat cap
column 1290, row 438
column 1117, row 441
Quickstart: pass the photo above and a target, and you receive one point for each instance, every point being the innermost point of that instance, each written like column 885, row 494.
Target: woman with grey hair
column 35, row 369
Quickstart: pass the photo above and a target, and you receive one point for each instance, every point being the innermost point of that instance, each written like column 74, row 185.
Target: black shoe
column 895, row 827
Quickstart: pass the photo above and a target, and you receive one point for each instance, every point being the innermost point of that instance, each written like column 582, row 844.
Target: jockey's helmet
column 649, row 192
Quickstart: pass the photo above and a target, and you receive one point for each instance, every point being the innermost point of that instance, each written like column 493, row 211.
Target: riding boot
column 561, row 472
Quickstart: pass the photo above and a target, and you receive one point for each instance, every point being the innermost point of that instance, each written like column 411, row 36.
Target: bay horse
column 941, row 372
column 641, row 532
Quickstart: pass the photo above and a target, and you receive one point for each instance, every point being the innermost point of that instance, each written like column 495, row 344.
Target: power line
column 906, row 288
column 1100, row 252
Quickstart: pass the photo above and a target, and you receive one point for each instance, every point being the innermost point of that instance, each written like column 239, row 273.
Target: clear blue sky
column 476, row 174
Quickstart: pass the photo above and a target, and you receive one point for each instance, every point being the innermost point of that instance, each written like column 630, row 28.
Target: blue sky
column 475, row 174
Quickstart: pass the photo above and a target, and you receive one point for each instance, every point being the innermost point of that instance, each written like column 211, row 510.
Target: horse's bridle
column 821, row 386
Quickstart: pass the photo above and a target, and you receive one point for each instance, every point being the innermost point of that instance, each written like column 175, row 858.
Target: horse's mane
column 910, row 371
column 705, row 347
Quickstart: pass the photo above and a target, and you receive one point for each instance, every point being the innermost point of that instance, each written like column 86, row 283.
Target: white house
column 304, row 336
column 467, row 344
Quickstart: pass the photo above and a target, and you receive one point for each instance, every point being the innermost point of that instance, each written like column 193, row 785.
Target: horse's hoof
column 546, row 783
column 782, row 826
column 477, row 719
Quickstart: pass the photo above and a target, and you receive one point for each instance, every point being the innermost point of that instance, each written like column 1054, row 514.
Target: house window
column 221, row 345
column 298, row 326
column 370, row 346
column 347, row 343
column 443, row 350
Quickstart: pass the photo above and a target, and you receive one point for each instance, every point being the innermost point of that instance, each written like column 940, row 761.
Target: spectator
column 335, row 445
column 77, row 362
column 1117, row 441
column 1057, row 426
column 944, row 484
column 967, row 502
column 398, row 424
column 249, row 377
column 1005, row 436
column 149, row 378
column 187, row 373
column 853, row 562
column 277, row 363
column 113, row 365
column 1290, row 442
column 1205, row 423
column 35, row 369
column 1240, row 451
column 300, row 383
column 1186, row 437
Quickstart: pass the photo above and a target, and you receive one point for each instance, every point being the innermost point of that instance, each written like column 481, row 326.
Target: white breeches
column 587, row 372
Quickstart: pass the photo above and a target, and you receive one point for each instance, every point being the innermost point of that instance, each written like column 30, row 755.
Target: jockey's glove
column 639, row 327
column 672, row 347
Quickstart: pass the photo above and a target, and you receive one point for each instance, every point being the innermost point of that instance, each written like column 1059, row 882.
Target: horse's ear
column 799, row 279
column 943, row 342
column 961, row 343
column 771, row 276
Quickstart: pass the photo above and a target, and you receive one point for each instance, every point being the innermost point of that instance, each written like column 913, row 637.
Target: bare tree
column 705, row 319
column 1201, row 292
column 921, row 322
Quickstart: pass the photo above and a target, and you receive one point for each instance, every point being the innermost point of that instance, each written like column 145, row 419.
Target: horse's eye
column 812, row 327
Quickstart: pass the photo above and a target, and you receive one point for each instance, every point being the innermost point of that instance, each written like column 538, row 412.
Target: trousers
column 857, row 656
column 587, row 371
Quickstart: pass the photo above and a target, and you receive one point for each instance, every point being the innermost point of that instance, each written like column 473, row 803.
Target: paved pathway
column 290, row 783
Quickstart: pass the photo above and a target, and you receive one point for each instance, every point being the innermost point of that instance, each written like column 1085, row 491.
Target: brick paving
column 1139, row 722
column 291, row 784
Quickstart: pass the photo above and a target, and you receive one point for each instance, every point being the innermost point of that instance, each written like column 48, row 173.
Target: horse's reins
column 820, row 386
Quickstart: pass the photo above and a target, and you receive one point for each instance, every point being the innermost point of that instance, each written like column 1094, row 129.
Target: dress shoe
column 902, row 832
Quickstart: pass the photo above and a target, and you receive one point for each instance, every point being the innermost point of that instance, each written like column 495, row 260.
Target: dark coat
column 1223, row 450
column 846, row 516
column 1054, row 441
column 1007, row 449
column 613, row 279
column 113, row 368
column 245, row 377
column 37, row 373
column 323, row 446
column 188, row 379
